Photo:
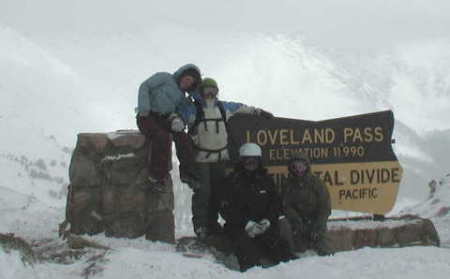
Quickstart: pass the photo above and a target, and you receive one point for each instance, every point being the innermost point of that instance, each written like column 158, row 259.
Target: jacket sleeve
column 238, row 214
column 146, row 91
column 288, row 206
column 276, row 205
column 232, row 108
column 187, row 111
column 144, row 105
column 324, row 204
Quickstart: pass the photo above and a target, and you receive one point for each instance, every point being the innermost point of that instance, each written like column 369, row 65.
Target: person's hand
column 265, row 114
column 177, row 124
column 298, row 227
column 256, row 228
column 253, row 229
column 314, row 236
column 264, row 224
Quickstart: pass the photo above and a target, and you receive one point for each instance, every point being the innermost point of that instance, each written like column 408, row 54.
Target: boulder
column 107, row 191
column 9, row 242
column 354, row 233
column 343, row 235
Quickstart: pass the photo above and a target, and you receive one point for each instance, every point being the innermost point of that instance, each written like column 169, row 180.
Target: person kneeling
column 306, row 202
column 254, row 213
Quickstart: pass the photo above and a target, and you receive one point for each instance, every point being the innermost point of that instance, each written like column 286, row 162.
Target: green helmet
column 208, row 82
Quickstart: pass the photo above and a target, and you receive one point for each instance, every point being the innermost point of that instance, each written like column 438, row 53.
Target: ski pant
column 300, row 241
column 264, row 250
column 155, row 127
column 205, row 207
column 303, row 242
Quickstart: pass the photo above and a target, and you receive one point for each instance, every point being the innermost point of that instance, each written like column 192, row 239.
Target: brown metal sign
column 352, row 155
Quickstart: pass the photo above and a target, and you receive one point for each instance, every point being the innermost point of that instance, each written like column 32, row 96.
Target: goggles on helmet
column 250, row 163
column 209, row 92
column 298, row 168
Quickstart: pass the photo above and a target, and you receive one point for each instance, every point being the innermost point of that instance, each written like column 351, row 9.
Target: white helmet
column 250, row 150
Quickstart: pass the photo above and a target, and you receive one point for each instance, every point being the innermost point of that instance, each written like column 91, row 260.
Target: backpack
column 200, row 117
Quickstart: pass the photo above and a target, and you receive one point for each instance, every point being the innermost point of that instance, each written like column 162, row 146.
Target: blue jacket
column 161, row 93
column 188, row 111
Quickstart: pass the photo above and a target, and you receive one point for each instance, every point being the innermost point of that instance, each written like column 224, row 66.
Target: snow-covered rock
column 436, row 207
column 109, row 191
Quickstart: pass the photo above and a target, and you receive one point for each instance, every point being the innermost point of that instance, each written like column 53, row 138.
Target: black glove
column 298, row 226
column 314, row 236
column 265, row 114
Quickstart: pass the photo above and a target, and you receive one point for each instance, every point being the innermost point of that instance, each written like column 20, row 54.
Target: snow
column 367, row 224
column 120, row 133
column 118, row 157
column 65, row 73
column 13, row 267
column 130, row 262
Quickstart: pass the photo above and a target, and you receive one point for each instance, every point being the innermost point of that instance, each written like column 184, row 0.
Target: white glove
column 177, row 124
column 264, row 224
column 253, row 228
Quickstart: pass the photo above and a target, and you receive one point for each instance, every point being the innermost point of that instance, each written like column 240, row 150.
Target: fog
column 347, row 24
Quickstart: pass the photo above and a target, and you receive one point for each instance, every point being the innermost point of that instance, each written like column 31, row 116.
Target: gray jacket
column 160, row 93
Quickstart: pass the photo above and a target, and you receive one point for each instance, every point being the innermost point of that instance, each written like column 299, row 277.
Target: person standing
column 306, row 202
column 254, row 213
column 208, row 119
column 158, row 98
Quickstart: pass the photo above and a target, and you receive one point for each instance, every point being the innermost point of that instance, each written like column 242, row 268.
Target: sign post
column 352, row 155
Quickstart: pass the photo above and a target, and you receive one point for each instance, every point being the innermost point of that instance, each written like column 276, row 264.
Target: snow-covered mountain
column 44, row 105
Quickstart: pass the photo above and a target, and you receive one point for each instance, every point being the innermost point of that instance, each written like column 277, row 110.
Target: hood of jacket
column 179, row 73
column 299, row 156
column 240, row 169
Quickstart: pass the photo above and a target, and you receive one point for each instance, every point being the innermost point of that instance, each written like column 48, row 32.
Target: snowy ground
column 139, row 258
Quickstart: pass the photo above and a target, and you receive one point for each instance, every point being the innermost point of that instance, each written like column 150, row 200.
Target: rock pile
column 107, row 191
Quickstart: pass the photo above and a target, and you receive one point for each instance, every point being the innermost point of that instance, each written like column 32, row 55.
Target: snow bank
column 12, row 267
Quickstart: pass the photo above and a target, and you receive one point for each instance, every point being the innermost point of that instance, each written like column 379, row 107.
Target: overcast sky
column 327, row 23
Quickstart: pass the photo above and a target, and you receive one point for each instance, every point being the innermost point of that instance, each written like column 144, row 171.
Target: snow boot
column 202, row 233
column 154, row 185
column 322, row 248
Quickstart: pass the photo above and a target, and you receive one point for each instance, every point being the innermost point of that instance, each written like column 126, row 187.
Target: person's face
column 298, row 168
column 209, row 93
column 186, row 82
column 250, row 163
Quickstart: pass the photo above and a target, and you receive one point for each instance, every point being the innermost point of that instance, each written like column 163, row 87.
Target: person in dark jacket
column 306, row 202
column 159, row 98
column 253, row 213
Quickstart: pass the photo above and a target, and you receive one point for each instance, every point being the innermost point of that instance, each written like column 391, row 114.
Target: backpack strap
column 210, row 151
column 223, row 113
column 200, row 115
column 232, row 151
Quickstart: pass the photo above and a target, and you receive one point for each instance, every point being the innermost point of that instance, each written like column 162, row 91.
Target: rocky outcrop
column 343, row 235
column 9, row 242
column 108, row 193
column 408, row 230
